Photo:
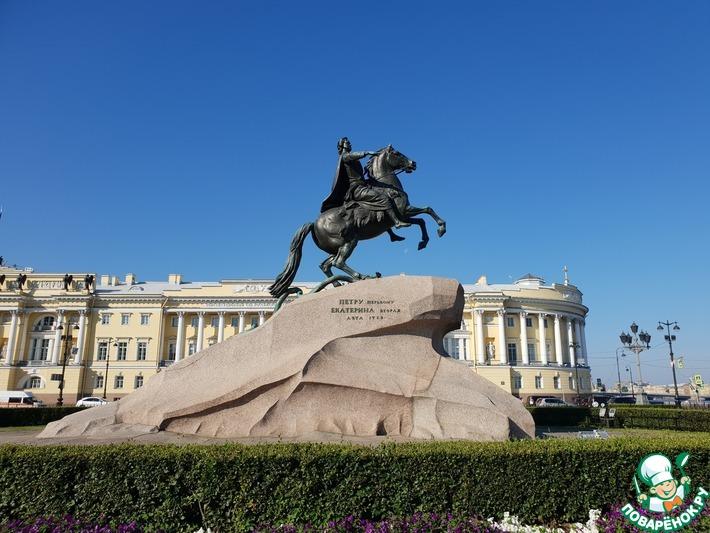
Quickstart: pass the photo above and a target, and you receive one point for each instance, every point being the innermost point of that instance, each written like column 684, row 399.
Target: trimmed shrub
column 653, row 418
column 235, row 487
column 34, row 416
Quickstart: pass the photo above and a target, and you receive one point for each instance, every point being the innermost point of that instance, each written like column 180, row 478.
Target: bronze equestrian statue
column 358, row 208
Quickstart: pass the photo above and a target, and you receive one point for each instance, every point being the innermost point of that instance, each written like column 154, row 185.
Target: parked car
column 91, row 401
column 551, row 402
column 18, row 398
column 625, row 400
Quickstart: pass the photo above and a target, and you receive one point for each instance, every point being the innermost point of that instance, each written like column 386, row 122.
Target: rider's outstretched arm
column 355, row 156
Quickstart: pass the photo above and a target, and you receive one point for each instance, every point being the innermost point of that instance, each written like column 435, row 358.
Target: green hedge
column 628, row 416
column 653, row 418
column 235, row 487
column 34, row 416
column 561, row 416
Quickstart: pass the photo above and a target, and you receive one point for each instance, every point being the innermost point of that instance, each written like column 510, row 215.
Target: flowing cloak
column 340, row 187
column 347, row 188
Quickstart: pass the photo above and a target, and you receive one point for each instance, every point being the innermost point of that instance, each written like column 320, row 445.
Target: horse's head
column 389, row 160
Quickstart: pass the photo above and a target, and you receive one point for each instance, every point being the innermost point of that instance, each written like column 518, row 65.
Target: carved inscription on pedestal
column 366, row 309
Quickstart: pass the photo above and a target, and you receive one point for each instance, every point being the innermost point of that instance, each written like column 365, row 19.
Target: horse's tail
column 284, row 280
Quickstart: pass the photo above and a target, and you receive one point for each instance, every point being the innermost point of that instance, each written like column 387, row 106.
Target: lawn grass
column 655, row 433
column 21, row 428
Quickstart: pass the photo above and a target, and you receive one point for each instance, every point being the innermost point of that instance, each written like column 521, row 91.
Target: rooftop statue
column 363, row 203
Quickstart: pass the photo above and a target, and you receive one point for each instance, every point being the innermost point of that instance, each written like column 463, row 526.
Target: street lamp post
column 67, row 346
column 631, row 380
column 618, row 372
column 108, row 357
column 670, row 338
column 640, row 341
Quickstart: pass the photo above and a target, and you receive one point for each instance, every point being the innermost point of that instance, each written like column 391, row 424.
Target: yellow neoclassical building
column 526, row 337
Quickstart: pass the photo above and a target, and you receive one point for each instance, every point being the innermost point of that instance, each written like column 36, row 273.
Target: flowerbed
column 610, row 521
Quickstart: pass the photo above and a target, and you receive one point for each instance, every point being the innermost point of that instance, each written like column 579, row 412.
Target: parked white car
column 14, row 398
column 91, row 401
column 551, row 402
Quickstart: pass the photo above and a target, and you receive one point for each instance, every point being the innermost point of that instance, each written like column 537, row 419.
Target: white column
column 200, row 331
column 578, row 340
column 502, row 347
column 583, row 342
column 462, row 348
column 262, row 317
column 524, row 337
column 558, row 340
column 57, row 337
column 220, row 327
column 480, row 341
column 542, row 338
column 242, row 314
column 80, row 338
column 571, row 340
column 180, row 342
column 12, row 339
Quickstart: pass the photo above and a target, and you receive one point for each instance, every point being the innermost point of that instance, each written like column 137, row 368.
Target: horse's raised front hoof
column 442, row 229
column 421, row 245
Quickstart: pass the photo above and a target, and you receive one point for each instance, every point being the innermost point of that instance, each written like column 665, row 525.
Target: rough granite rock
column 363, row 359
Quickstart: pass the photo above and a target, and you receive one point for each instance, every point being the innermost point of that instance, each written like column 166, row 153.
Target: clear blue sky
column 195, row 137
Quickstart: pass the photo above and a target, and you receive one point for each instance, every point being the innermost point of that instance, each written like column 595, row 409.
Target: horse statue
column 338, row 230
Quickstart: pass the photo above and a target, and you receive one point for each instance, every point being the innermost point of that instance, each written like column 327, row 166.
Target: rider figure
column 350, row 174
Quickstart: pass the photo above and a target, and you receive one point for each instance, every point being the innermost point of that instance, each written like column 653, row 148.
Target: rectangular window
column 194, row 321
column 235, row 321
column 144, row 319
column 171, row 351
column 44, row 350
column 528, row 322
column 122, row 350
column 556, row 382
column 103, row 351
column 191, row 347
column 124, row 319
column 548, row 348
column 538, row 382
column 142, row 351
column 571, row 383
column 138, row 382
column 118, row 382
column 33, row 350
column 517, row 382
column 511, row 322
column 545, row 322
column 512, row 353
column 531, row 352
column 105, row 319
column 99, row 383
column 215, row 322
column 174, row 321
column 254, row 321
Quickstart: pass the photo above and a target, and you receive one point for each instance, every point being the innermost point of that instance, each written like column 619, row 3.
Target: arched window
column 45, row 324
column 35, row 382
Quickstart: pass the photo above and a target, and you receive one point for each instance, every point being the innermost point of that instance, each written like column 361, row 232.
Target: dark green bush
column 234, row 487
column 653, row 418
column 34, row 416
column 561, row 416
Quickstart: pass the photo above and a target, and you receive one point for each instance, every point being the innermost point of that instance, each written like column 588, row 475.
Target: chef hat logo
column 654, row 469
